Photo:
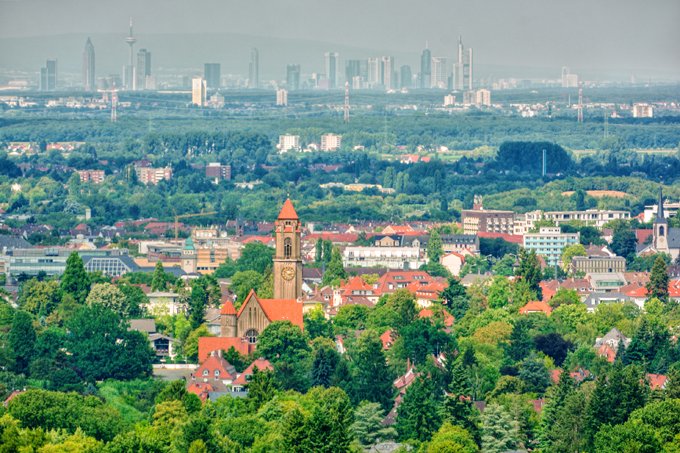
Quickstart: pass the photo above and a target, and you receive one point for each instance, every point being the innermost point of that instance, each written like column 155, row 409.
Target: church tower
column 287, row 257
column 660, row 227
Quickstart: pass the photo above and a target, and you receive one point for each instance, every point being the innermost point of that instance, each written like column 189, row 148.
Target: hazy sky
column 588, row 35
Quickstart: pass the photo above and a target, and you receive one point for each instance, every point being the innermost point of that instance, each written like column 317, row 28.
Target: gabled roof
column 536, row 306
column 427, row 313
column 261, row 365
column 288, row 211
column 277, row 309
column 206, row 345
column 657, row 381
column 228, row 308
column 215, row 362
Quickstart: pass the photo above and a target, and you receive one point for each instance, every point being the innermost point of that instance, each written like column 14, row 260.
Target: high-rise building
column 293, row 76
column 48, row 76
column 405, row 76
column 212, row 74
column 331, row 142
column 282, row 97
column 425, row 77
column 462, row 69
column 198, row 91
column 254, row 70
column 88, row 67
column 388, row 74
column 331, row 65
column 440, row 73
column 143, row 69
column 356, row 72
column 129, row 69
column 374, row 72
column 483, row 98
column 569, row 80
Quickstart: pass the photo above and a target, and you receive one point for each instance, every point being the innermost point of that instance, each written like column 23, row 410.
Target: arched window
column 217, row 373
column 287, row 248
column 251, row 336
column 662, row 230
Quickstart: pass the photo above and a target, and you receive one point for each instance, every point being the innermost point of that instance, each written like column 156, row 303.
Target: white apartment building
column 288, row 143
column 549, row 243
column 591, row 217
column 331, row 142
column 389, row 257
column 641, row 110
column 282, row 97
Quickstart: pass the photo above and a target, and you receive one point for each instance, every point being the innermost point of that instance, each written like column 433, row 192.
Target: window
column 661, row 231
column 217, row 373
column 251, row 336
column 287, row 248
column 206, row 372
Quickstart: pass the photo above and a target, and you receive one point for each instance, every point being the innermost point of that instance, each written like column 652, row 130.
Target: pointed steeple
column 288, row 211
column 660, row 217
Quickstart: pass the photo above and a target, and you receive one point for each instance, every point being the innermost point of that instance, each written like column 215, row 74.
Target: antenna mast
column 579, row 117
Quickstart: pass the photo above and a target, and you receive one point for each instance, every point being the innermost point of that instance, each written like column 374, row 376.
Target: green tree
column 418, row 415
column 325, row 359
column 255, row 256
column 455, row 298
column 435, row 247
column 371, row 376
column 198, row 302
column 567, row 433
column 21, row 341
column 329, row 422
column 571, row 251
column 529, row 270
column 499, row 292
column 565, row 296
column 521, row 342
column 499, row 431
column 335, row 271
column 318, row 251
column 534, row 374
column 243, row 282
column 109, row 296
column 261, row 387
column 368, row 425
column 75, row 280
column 158, row 281
column 282, row 340
column 316, row 324
column 658, row 280
column 452, row 439
column 624, row 242
column 39, row 298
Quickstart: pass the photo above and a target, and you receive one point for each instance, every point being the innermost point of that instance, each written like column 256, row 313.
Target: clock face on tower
column 288, row 273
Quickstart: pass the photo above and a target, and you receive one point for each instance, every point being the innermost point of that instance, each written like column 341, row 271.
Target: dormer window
column 217, row 373
column 206, row 372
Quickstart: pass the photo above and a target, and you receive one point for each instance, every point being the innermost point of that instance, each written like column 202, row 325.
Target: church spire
column 660, row 217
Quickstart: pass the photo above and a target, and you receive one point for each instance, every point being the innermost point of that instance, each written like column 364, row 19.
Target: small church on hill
column 665, row 239
column 240, row 328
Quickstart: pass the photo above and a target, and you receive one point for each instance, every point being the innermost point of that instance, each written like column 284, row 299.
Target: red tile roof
column 206, row 345
column 264, row 239
column 277, row 309
column 201, row 390
column 215, row 363
column 536, row 306
column 228, row 308
column 333, row 237
column 261, row 364
column 427, row 313
column 607, row 352
column 642, row 235
column 387, row 339
column 513, row 238
column 657, row 381
column 288, row 211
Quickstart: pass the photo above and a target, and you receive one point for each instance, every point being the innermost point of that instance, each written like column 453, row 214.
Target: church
column 241, row 328
column 664, row 239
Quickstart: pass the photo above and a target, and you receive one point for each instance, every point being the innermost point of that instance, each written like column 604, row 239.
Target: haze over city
column 524, row 38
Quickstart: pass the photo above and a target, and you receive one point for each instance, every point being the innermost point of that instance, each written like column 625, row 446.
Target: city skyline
column 524, row 35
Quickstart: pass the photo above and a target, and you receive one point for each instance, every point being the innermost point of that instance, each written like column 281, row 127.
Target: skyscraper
column 405, row 76
column 88, row 67
column 356, row 73
column 293, row 76
column 212, row 72
column 440, row 73
column 462, row 69
column 425, row 68
column 48, row 76
column 389, row 76
column 129, row 69
column 374, row 73
column 143, row 69
column 254, row 70
column 198, row 91
column 331, row 60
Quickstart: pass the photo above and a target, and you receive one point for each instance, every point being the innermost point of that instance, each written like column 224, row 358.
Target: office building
column 356, row 73
column 151, row 175
column 288, row 143
column 198, row 91
column 449, row 100
column 293, row 77
column 549, row 243
column 462, row 69
column 405, row 77
column 569, row 80
column 48, row 76
column 331, row 142
column 440, row 73
column 217, row 172
column 282, row 97
column 425, row 77
column 483, row 98
column 254, row 69
column 388, row 74
column 88, row 67
column 643, row 111
column 487, row 221
column 374, row 74
column 212, row 74
column 331, row 65
column 143, row 70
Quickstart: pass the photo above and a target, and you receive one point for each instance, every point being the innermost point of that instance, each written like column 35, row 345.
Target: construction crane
column 186, row 216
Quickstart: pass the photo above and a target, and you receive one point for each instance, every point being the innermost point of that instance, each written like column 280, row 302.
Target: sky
column 590, row 36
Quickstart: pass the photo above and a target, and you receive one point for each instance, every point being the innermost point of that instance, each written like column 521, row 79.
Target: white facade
column 288, row 143
column 449, row 100
column 331, row 142
column 282, row 97
column 549, row 243
column 389, row 257
column 199, row 89
column 483, row 98
column 641, row 110
column 440, row 73
column 591, row 217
